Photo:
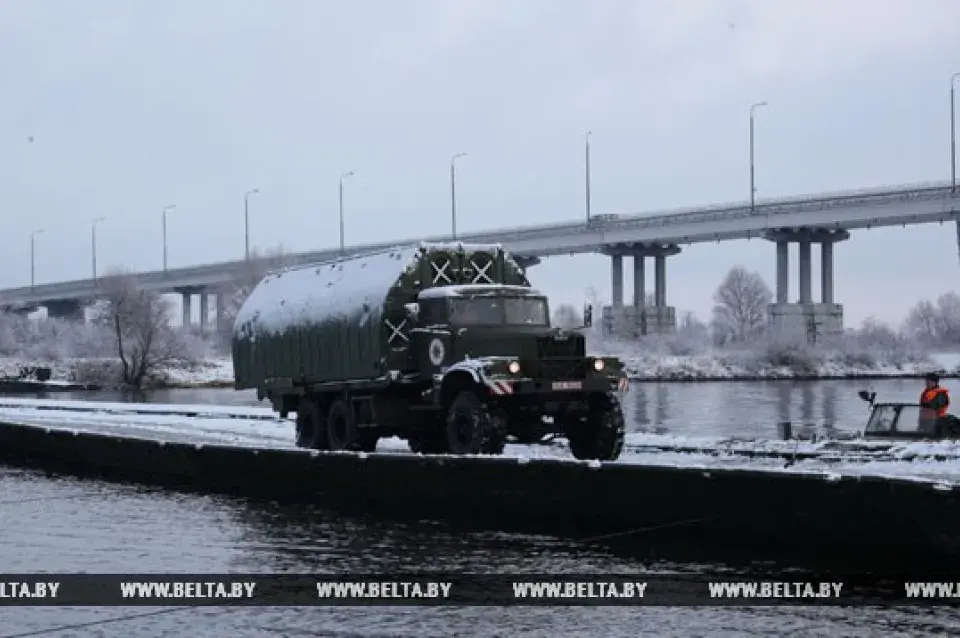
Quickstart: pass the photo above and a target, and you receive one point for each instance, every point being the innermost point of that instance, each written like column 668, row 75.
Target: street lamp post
column 33, row 252
column 166, row 209
column 246, row 222
column 587, row 173
column 342, row 177
column 953, row 132
column 93, row 243
column 753, row 189
column 453, row 193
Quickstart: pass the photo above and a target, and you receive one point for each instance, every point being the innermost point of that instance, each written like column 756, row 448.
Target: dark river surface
column 65, row 525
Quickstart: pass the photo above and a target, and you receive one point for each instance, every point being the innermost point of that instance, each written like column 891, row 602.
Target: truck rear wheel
column 601, row 437
column 428, row 441
column 472, row 429
column 311, row 425
column 341, row 426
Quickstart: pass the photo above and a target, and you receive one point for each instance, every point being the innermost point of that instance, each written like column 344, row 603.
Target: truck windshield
column 498, row 311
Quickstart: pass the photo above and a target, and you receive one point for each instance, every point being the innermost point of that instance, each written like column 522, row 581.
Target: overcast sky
column 136, row 105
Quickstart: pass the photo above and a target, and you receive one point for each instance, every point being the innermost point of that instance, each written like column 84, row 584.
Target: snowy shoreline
column 722, row 367
column 652, row 368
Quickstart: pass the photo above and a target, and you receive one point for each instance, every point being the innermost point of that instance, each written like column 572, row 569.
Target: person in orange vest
column 934, row 401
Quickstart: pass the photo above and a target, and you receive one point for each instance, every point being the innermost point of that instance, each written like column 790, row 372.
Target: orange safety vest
column 930, row 394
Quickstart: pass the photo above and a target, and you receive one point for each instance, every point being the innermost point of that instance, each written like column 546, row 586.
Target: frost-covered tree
column 740, row 309
column 691, row 329
column 48, row 339
column 139, row 323
column 935, row 323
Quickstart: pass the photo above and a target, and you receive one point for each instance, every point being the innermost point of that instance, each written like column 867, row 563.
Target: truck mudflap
column 502, row 386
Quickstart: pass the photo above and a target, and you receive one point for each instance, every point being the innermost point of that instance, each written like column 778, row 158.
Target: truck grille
column 549, row 348
column 563, row 368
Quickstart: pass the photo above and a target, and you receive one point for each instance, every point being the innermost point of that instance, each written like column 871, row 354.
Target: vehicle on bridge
column 445, row 345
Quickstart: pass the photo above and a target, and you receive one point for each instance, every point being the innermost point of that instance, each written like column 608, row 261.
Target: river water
column 59, row 525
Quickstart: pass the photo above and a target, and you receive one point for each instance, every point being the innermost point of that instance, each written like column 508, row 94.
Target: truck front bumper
column 556, row 388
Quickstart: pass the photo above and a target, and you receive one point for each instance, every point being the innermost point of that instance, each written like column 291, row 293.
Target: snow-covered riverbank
column 734, row 367
column 718, row 366
column 211, row 373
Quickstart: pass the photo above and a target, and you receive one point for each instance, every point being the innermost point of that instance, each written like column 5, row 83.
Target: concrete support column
column 660, row 280
column 826, row 271
column 806, row 320
column 616, row 287
column 187, row 297
column 640, row 318
column 783, row 271
column 805, row 274
column 220, row 309
column 204, row 311
column 639, row 282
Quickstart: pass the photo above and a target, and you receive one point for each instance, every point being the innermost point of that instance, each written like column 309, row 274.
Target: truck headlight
column 513, row 367
column 598, row 364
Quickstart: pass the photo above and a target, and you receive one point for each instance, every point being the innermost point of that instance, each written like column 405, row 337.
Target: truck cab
column 496, row 343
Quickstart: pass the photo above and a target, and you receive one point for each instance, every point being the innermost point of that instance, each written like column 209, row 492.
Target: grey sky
column 135, row 105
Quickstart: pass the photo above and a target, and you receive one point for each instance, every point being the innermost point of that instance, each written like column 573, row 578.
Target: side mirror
column 413, row 310
column 587, row 315
column 867, row 396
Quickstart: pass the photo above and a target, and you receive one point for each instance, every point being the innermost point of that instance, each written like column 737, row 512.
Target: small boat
column 887, row 422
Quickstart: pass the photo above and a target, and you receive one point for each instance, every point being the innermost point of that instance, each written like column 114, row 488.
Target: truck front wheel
column 472, row 429
column 601, row 437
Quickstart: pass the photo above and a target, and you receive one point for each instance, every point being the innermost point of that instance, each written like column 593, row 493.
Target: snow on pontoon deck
column 937, row 463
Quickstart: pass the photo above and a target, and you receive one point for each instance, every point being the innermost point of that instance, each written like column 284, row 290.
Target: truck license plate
column 567, row 385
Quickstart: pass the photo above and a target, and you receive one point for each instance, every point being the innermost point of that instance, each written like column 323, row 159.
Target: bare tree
column 567, row 316
column 921, row 322
column 690, row 327
column 935, row 323
column 741, row 306
column 139, row 321
column 948, row 315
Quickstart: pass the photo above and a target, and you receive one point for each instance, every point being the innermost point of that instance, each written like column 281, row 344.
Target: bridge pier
column 204, row 311
column 640, row 319
column 66, row 309
column 187, row 303
column 186, row 294
column 805, row 319
column 220, row 311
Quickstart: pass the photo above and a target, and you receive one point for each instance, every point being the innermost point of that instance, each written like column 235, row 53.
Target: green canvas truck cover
column 343, row 320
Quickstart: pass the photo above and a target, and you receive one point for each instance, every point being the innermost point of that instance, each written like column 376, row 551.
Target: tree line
column 131, row 333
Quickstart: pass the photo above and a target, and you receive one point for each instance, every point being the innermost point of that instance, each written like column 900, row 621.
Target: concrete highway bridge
column 825, row 219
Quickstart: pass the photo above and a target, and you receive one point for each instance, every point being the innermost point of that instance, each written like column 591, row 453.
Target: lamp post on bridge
column 453, row 193
column 344, row 176
column 166, row 209
column 753, row 189
column 33, row 253
column 586, row 170
column 246, row 222
column 93, row 243
column 953, row 132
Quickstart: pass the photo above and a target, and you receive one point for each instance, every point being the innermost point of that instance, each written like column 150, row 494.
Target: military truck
column 446, row 346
